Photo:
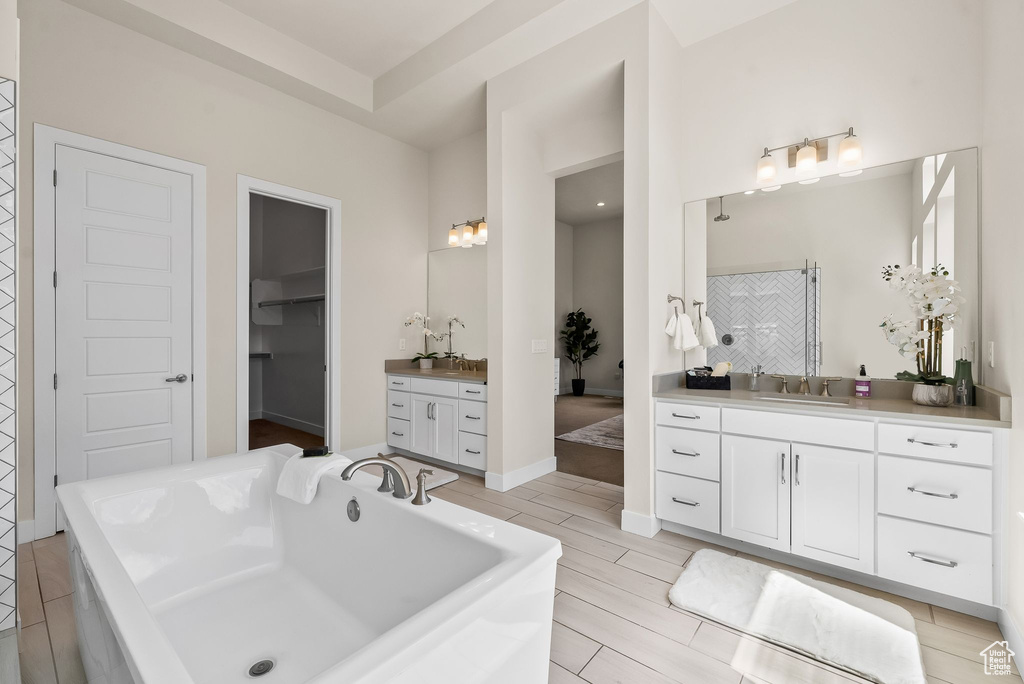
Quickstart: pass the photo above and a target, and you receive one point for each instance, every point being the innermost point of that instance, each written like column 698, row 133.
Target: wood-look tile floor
column 612, row 618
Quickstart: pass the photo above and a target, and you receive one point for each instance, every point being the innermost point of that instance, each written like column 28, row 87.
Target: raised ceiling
column 577, row 195
column 369, row 36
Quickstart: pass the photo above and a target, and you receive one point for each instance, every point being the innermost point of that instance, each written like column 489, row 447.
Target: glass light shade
column 809, row 181
column 481, row 232
column 467, row 233
column 850, row 152
column 453, row 237
column 766, row 169
column 806, row 159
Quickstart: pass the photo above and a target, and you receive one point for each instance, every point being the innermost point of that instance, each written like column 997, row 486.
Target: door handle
column 782, row 469
column 430, row 411
column 472, row 417
column 796, row 475
column 685, row 502
column 180, row 377
column 470, row 451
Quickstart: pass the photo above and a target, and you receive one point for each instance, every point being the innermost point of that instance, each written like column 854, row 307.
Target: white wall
column 563, row 296
column 597, row 289
column 127, row 88
column 851, row 230
column 1002, row 245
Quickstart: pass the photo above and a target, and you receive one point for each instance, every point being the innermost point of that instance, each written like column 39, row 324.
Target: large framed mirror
column 457, row 286
column 794, row 273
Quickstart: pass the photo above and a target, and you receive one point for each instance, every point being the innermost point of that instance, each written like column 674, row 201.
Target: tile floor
column 612, row 619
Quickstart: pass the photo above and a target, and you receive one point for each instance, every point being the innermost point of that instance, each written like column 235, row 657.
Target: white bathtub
column 192, row 574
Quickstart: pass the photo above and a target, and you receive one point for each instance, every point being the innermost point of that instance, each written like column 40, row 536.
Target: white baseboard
column 368, row 451
column 504, row 482
column 26, row 531
column 287, row 421
column 643, row 525
column 1011, row 632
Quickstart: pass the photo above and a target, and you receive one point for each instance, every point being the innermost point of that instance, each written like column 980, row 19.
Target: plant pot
column 933, row 395
column 426, row 364
column 578, row 386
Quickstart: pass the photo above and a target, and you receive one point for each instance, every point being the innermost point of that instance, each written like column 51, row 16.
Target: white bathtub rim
column 152, row 658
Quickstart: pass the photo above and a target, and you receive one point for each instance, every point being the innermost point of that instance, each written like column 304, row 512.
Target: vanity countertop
column 974, row 416
column 478, row 377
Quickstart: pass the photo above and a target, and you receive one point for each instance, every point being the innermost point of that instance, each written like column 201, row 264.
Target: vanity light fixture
column 805, row 155
column 600, row 204
column 771, row 189
column 848, row 174
column 474, row 232
column 809, row 181
column 749, row 192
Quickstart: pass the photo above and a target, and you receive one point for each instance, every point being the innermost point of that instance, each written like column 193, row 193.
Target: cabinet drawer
column 473, row 417
column 473, row 450
column 688, row 501
column 472, row 390
column 971, row 576
column 688, row 452
column 398, row 405
column 440, row 388
column 944, row 493
column 692, row 416
column 791, row 427
column 941, row 444
column 399, row 382
column 398, row 433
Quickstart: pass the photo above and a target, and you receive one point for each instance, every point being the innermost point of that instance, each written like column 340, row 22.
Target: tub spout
column 401, row 480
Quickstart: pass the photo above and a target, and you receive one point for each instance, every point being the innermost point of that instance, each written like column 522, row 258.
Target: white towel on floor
column 300, row 476
column 706, row 333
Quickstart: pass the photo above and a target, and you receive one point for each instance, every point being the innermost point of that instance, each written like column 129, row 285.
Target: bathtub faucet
column 393, row 475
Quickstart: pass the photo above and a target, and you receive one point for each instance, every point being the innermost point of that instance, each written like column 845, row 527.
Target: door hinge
column 55, row 178
column 54, row 480
column 55, row 279
column 54, row 381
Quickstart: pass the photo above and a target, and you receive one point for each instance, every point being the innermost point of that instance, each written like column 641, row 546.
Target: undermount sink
column 826, row 401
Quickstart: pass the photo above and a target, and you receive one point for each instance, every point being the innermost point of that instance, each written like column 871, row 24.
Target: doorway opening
column 589, row 409
column 288, row 318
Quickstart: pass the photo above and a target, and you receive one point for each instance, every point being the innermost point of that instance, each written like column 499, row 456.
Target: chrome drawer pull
column 681, row 415
column 398, row 434
column 933, row 561
column 470, row 451
column 782, row 468
column 695, row 454
column 398, row 405
column 951, row 445
column 397, row 382
column 685, row 502
column 936, row 494
column 473, row 417
column 472, row 391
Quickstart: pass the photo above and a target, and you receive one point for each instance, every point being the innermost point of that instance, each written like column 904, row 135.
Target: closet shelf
column 292, row 300
column 261, row 355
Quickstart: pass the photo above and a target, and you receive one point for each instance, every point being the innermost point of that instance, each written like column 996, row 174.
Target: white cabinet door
column 755, row 491
column 422, row 423
column 834, row 506
column 445, row 440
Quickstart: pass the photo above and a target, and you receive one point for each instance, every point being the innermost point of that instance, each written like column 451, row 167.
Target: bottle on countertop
column 862, row 384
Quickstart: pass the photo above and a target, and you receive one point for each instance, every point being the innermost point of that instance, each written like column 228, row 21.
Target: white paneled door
column 123, row 281
column 755, row 491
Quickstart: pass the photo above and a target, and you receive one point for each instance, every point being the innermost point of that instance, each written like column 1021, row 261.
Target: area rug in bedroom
column 861, row 634
column 607, row 434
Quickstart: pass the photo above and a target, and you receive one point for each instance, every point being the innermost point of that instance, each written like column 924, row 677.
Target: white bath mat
column 864, row 635
column 609, row 433
column 412, row 468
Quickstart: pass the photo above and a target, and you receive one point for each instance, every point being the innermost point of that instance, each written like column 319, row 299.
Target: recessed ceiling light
column 809, row 181
column 852, row 173
column 600, row 204
column 749, row 192
column 771, row 189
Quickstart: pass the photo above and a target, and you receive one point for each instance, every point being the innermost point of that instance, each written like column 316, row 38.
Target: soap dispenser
column 862, row 385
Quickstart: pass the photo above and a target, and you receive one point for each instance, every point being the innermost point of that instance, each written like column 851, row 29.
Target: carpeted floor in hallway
column 573, row 413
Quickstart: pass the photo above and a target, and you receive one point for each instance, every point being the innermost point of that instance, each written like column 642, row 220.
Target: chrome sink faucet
column 394, row 477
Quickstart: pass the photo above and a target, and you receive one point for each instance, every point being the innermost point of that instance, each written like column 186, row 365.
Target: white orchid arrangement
column 424, row 322
column 452, row 322
column 935, row 300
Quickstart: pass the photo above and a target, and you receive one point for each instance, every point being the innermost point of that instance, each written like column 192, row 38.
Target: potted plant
column 934, row 299
column 580, row 342
column 426, row 360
